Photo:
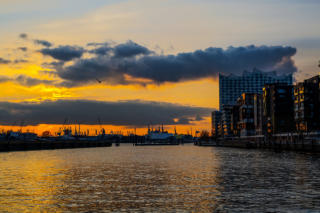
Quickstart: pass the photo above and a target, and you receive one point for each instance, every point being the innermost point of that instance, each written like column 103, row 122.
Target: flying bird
column 99, row 81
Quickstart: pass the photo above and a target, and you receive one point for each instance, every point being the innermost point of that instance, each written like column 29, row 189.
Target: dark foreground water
column 159, row 179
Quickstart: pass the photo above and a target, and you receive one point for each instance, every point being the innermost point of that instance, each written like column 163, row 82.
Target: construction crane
column 102, row 130
column 21, row 125
column 63, row 129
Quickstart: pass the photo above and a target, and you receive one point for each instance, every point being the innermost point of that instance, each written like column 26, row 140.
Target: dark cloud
column 24, row 49
column 64, row 53
column 4, row 79
column 48, row 72
column 183, row 121
column 211, row 61
column 54, row 65
column 104, row 50
column 127, row 113
column 113, row 68
column 29, row 81
column 43, row 43
column 23, row 36
column 17, row 61
column 98, row 44
column 90, row 69
column 130, row 49
column 4, row 61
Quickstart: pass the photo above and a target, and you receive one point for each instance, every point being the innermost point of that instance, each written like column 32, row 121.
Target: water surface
column 164, row 179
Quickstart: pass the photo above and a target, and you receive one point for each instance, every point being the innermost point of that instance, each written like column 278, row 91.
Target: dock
column 156, row 144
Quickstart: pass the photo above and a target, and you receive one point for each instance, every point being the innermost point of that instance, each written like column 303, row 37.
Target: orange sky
column 202, row 93
column 165, row 27
column 93, row 129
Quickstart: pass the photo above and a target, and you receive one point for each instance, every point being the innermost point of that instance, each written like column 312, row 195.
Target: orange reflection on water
column 29, row 180
column 113, row 179
column 158, row 179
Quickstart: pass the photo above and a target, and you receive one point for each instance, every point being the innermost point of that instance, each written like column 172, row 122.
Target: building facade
column 257, row 113
column 216, row 124
column 307, row 105
column 232, row 86
column 226, row 120
column 246, row 114
column 235, row 116
column 278, row 114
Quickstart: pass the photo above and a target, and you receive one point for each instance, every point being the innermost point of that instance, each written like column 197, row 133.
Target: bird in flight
column 99, row 81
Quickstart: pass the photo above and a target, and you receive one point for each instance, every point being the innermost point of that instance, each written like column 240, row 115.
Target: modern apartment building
column 216, row 124
column 307, row 105
column 246, row 114
column 278, row 114
column 232, row 86
column 235, row 116
column 226, row 120
column 257, row 114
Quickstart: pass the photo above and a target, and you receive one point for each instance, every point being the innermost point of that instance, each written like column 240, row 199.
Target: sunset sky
column 130, row 63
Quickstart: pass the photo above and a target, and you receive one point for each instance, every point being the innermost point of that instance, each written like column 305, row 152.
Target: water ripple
column 162, row 179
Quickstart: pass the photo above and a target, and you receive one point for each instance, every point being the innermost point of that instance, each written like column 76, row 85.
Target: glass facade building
column 232, row 86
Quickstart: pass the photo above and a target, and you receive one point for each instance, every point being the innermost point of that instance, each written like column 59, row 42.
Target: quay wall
column 277, row 143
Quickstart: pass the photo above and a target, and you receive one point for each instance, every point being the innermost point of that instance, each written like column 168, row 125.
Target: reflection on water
column 167, row 179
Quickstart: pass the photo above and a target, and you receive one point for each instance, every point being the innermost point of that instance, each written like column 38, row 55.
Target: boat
column 158, row 137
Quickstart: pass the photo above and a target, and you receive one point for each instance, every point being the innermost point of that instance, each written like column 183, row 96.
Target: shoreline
column 8, row 146
column 307, row 145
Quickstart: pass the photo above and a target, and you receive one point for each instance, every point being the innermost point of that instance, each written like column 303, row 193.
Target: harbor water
column 183, row 178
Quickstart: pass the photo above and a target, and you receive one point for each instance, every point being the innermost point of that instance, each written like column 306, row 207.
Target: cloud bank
column 124, row 113
column 16, row 61
column 132, row 63
column 4, row 61
column 63, row 53
column 27, row 81
column 113, row 64
column 130, row 49
column 43, row 42
column 23, row 49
